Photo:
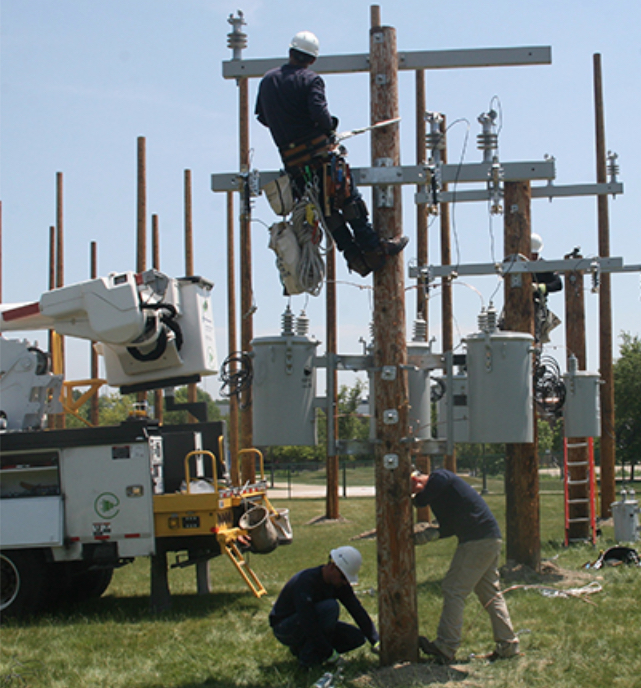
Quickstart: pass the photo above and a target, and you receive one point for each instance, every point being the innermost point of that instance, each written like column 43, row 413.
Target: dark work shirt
column 459, row 508
column 306, row 589
column 291, row 103
column 552, row 280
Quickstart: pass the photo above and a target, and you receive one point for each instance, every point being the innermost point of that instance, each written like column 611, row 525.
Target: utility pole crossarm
column 549, row 191
column 595, row 264
column 408, row 60
column 468, row 173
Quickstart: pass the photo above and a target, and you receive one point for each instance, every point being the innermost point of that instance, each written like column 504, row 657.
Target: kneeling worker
column 305, row 615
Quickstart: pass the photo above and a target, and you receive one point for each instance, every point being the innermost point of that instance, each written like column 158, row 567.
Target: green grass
column 222, row 640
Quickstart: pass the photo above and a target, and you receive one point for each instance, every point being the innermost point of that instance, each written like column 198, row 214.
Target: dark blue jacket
column 304, row 590
column 459, row 508
column 291, row 102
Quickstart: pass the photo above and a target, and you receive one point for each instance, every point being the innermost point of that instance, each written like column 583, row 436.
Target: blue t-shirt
column 459, row 508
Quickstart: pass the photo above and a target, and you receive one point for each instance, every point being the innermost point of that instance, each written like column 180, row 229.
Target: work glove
column 376, row 647
column 334, row 657
column 424, row 533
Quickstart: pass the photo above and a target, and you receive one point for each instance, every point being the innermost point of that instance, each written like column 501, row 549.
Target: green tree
column 627, row 400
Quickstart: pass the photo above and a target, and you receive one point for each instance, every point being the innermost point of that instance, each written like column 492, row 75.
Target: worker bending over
column 461, row 511
column 292, row 104
column 305, row 615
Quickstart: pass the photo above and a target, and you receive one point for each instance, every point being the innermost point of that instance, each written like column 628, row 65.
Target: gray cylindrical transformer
column 460, row 413
column 581, row 409
column 499, row 387
column 418, row 381
column 283, row 391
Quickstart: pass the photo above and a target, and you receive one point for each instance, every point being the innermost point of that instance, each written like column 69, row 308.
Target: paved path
column 280, row 491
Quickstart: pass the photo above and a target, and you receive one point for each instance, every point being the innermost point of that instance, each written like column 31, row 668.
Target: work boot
column 356, row 262
column 392, row 247
column 430, row 649
column 375, row 258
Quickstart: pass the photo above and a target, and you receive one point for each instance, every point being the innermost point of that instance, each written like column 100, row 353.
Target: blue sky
column 81, row 80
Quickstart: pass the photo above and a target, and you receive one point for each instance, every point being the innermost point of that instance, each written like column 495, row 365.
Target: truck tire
column 91, row 584
column 74, row 582
column 23, row 582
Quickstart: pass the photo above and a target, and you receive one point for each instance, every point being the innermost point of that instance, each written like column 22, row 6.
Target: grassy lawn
column 223, row 639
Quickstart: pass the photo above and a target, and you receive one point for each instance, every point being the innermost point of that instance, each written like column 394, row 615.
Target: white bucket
column 283, row 527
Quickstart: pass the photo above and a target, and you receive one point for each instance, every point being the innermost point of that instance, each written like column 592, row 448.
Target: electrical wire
column 236, row 374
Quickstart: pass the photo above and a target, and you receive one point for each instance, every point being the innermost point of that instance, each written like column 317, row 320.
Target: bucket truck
column 77, row 503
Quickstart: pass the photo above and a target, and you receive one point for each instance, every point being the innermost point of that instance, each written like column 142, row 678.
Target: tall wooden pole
column 94, row 416
column 59, row 342
column 141, row 207
column 332, row 468
column 423, row 461
column 155, row 264
column 141, row 222
column 51, row 417
column 231, row 339
column 578, row 474
column 248, row 470
column 608, row 458
column 523, row 539
column 396, row 564
column 447, row 318
column 192, row 388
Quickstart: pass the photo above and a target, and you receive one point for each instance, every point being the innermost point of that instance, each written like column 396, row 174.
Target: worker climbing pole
column 396, row 571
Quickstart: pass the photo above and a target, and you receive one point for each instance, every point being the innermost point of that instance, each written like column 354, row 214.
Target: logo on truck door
column 107, row 505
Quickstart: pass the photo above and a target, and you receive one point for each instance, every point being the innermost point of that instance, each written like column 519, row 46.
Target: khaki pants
column 475, row 567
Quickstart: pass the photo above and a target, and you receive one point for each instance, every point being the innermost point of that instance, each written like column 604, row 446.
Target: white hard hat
column 349, row 560
column 536, row 243
column 306, row 42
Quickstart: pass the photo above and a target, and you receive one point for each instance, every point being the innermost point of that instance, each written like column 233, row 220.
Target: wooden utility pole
column 332, row 468
column 447, row 318
column 141, row 223
column 398, row 621
column 248, row 468
column 155, row 264
column 606, row 369
column 58, row 341
column 231, row 339
column 423, row 461
column 141, row 207
column 192, row 388
column 523, row 538
column 578, row 473
column 94, row 416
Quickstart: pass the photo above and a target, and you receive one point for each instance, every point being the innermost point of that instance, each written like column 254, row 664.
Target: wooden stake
column 606, row 368
column 523, row 539
column 396, row 565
